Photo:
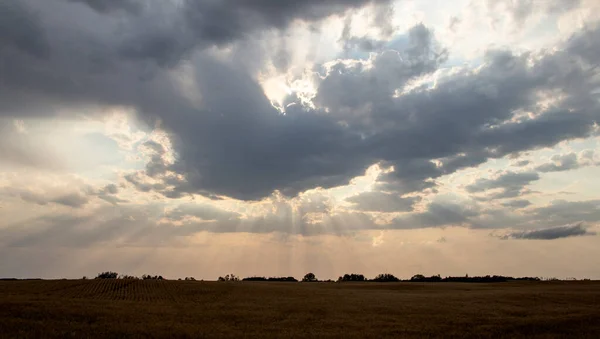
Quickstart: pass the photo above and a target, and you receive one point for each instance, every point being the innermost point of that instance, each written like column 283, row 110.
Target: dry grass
column 182, row 309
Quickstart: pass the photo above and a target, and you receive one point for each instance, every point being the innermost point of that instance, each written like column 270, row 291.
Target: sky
column 275, row 138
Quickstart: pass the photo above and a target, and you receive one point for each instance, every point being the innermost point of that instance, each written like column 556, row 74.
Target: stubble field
column 192, row 309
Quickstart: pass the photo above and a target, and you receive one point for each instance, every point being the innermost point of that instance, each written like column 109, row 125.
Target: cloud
column 437, row 214
column 511, row 184
column 519, row 203
column 109, row 194
column 107, row 6
column 382, row 202
column 520, row 11
column 20, row 29
column 400, row 108
column 20, row 151
column 566, row 231
column 198, row 24
column 521, row 163
column 569, row 161
column 74, row 200
column 561, row 212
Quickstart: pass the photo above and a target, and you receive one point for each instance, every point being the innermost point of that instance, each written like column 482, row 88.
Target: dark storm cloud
column 566, row 231
column 235, row 143
column 20, row 28
column 206, row 22
column 107, row 6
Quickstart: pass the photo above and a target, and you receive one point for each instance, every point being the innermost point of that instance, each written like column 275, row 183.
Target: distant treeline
column 387, row 277
column 484, row 279
column 353, row 277
column 115, row 275
column 289, row 279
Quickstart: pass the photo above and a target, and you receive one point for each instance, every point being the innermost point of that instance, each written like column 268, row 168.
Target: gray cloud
column 382, row 18
column 521, row 163
column 561, row 212
column 108, row 194
column 566, row 231
column 522, row 10
column 74, row 200
column 107, row 6
column 437, row 214
column 569, row 161
column 20, row 29
column 235, row 143
column 519, row 203
column 205, row 22
column 511, row 184
column 382, row 202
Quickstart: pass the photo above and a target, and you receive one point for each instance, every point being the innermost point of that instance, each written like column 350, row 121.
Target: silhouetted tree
column 309, row 277
column 152, row 277
column 190, row 279
column 229, row 277
column 386, row 277
column 284, row 279
column 352, row 277
column 417, row 277
column 107, row 275
column 254, row 279
column 422, row 278
column 128, row 277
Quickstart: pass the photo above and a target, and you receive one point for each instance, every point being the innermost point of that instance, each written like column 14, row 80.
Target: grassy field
column 190, row 309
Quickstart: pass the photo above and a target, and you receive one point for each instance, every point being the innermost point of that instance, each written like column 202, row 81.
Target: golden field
column 107, row 308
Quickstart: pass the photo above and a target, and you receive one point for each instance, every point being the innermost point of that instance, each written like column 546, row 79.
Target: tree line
column 353, row 277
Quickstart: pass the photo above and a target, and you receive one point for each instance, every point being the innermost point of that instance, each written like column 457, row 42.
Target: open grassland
column 192, row 309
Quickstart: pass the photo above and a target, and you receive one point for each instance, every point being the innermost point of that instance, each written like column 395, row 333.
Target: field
column 191, row 309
